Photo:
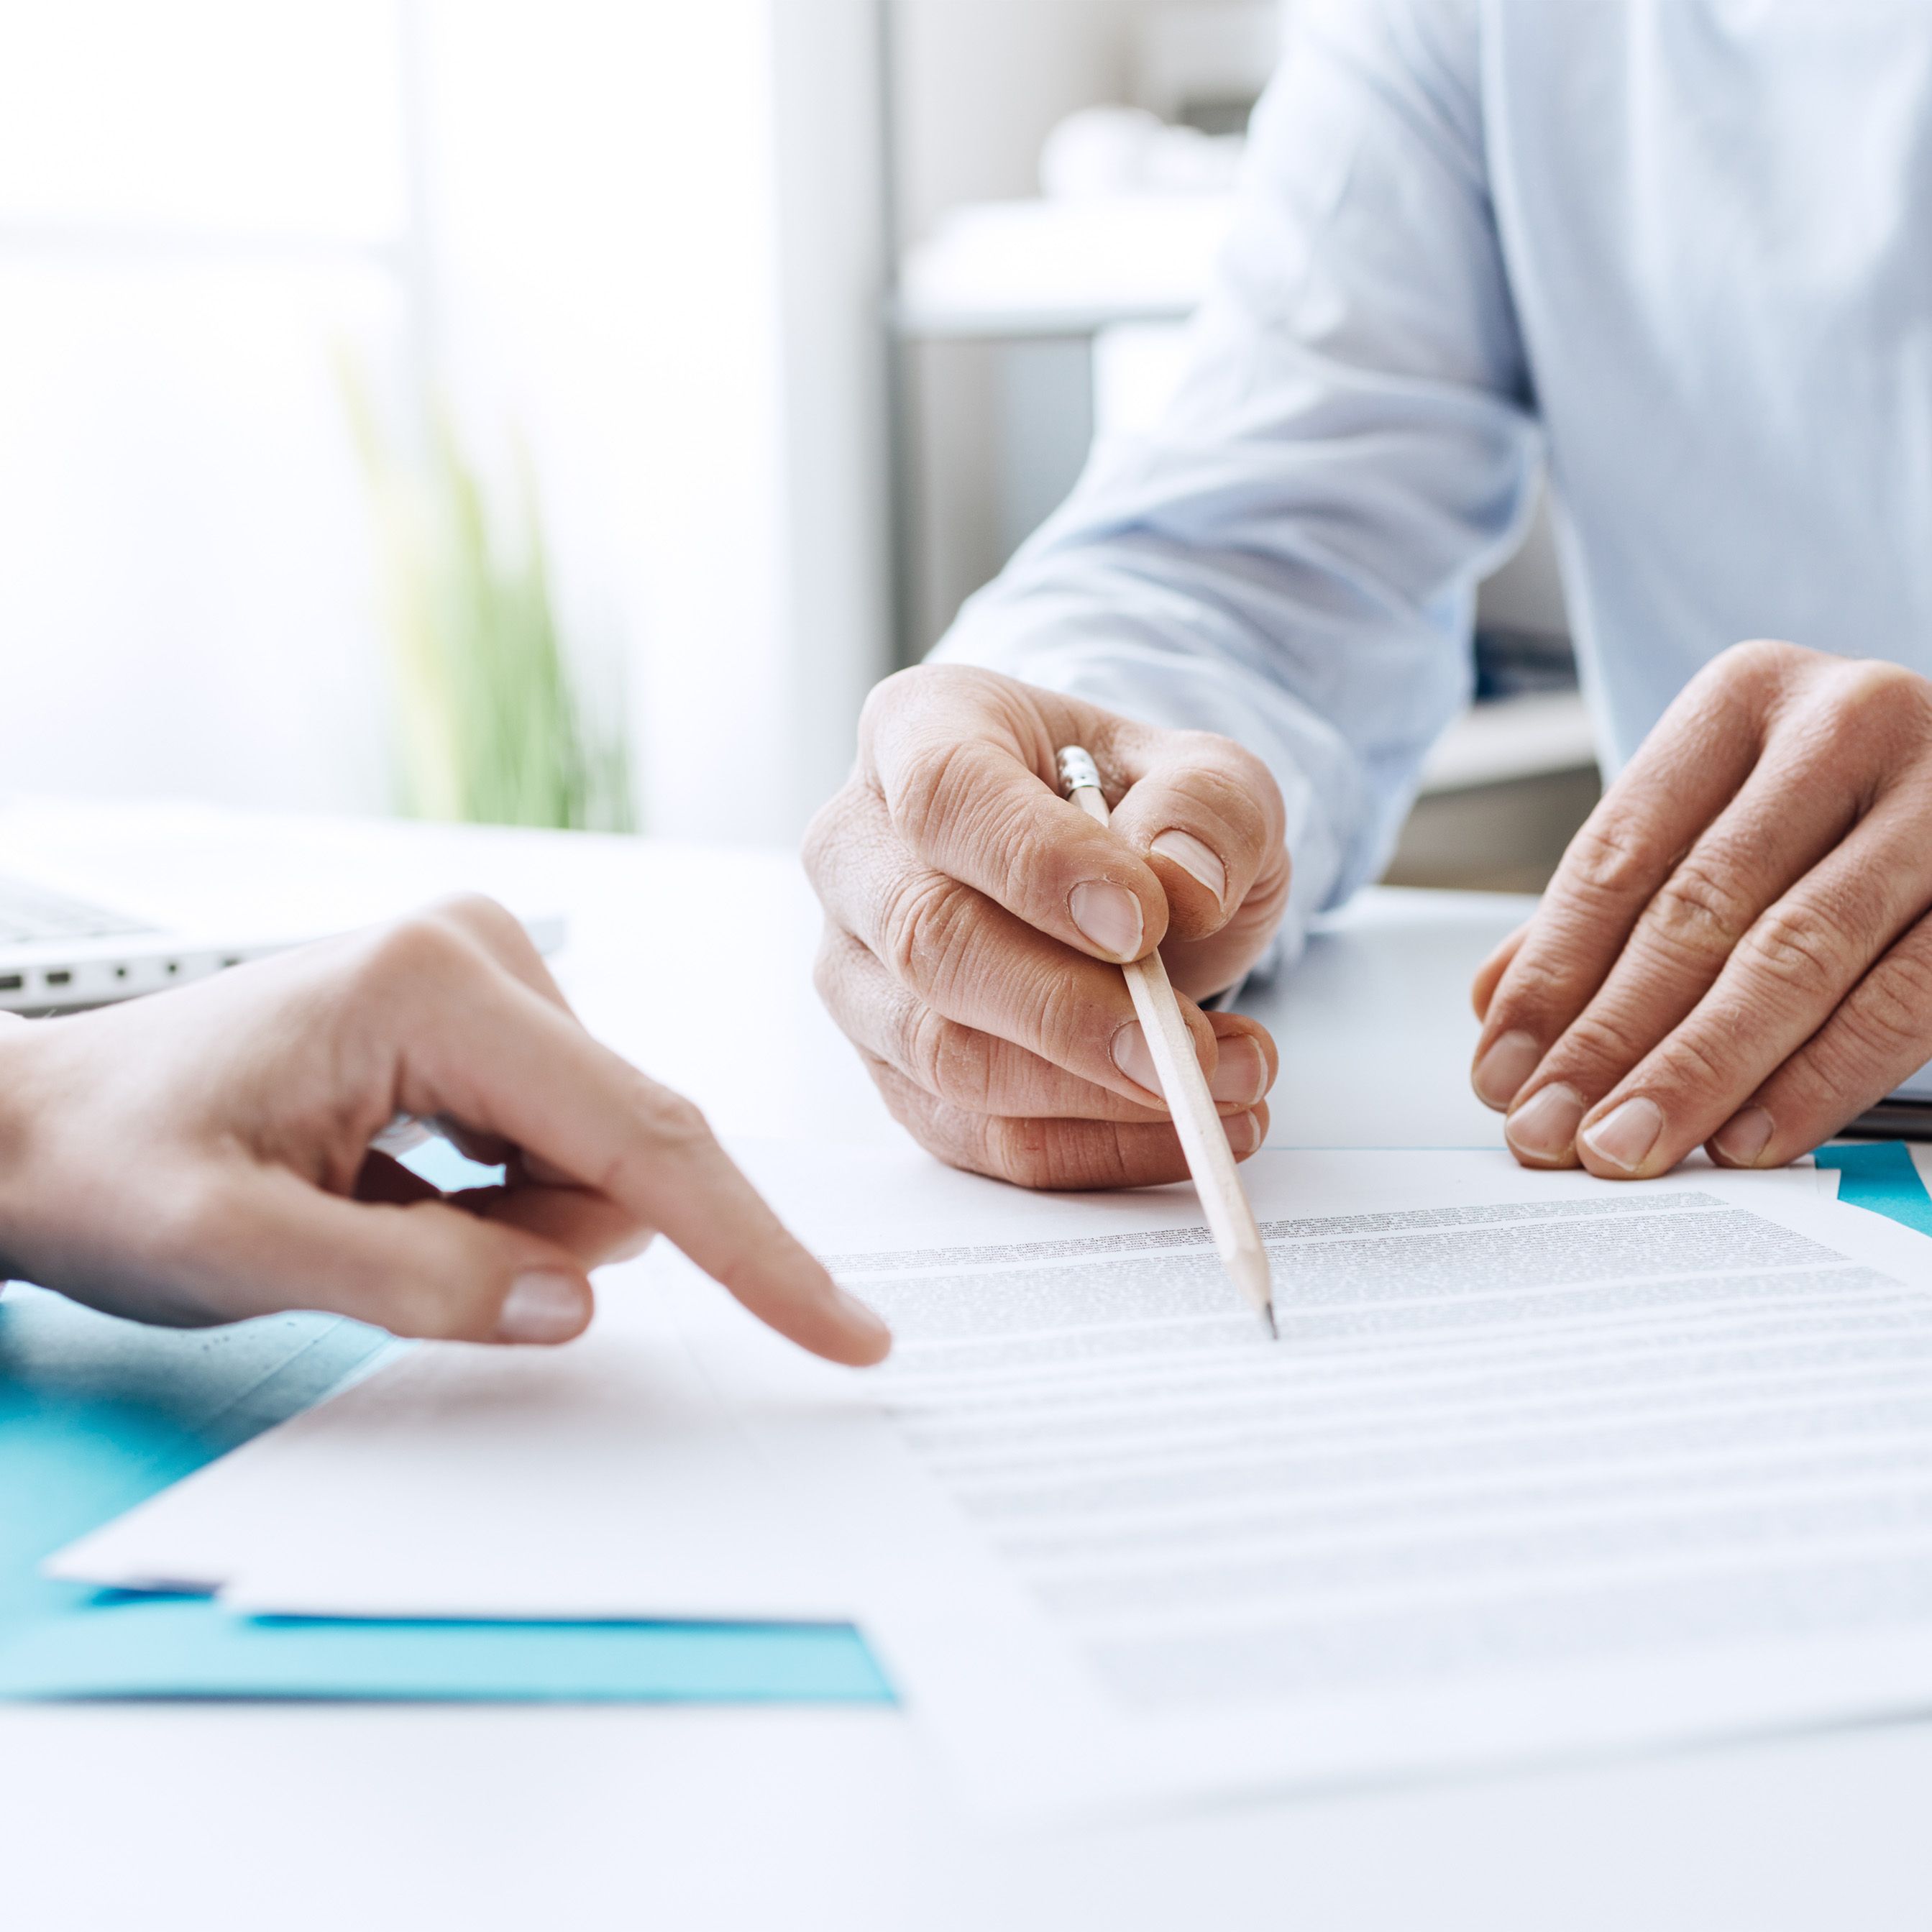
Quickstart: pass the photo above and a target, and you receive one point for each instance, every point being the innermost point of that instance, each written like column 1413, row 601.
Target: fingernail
column 1244, row 1134
column 1743, row 1137
column 1132, row 1056
column 1544, row 1126
column 1241, row 1073
column 1110, row 916
column 541, row 1308
column 1626, row 1134
column 1505, row 1065
column 1194, row 859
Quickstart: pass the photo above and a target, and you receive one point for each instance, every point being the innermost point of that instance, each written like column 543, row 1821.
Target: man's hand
column 1735, row 949
column 976, row 922
column 203, row 1155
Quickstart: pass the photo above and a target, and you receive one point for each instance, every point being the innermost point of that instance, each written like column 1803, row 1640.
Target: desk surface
column 696, row 963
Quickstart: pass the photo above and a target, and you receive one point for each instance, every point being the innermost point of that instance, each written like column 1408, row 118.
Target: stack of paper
column 1539, row 1466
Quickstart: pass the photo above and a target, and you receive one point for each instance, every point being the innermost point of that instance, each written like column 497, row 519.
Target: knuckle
column 842, row 990
column 826, row 981
column 907, row 689
column 673, row 1122
column 1067, row 1026
column 935, row 796
column 1757, row 662
column 1608, row 861
column 1694, row 1065
column 1698, row 1064
column 668, row 1125
column 1020, row 1151
column 476, row 914
column 1537, row 985
column 1871, row 707
column 1235, row 787
column 422, row 950
column 833, row 829
column 926, row 927
column 1700, row 910
column 954, row 1063
column 1892, row 1013
column 1877, row 686
column 821, row 837
column 1603, row 1040
column 884, row 701
column 961, row 1140
column 1791, row 949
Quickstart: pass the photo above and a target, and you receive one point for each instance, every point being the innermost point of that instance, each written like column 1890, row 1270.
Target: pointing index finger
column 542, row 1082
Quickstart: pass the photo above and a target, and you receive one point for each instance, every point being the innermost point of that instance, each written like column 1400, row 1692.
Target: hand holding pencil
column 977, row 923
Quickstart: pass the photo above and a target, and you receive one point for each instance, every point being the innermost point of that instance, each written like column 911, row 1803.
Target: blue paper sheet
column 1881, row 1176
column 96, row 1415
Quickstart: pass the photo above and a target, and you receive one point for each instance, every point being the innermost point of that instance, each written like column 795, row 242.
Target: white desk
column 375, row 1818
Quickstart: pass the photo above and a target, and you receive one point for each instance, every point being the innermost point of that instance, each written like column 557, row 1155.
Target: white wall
column 657, row 254
column 195, row 206
column 833, row 262
column 660, row 234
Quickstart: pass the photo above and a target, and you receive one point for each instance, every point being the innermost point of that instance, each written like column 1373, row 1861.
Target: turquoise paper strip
column 96, row 1415
column 1881, row 1176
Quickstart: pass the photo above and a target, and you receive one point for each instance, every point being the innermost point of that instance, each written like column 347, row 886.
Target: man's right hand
column 975, row 923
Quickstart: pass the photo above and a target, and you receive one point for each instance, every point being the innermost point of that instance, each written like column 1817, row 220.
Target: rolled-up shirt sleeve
column 1290, row 557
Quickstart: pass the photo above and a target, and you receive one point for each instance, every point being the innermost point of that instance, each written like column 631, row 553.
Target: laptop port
column 12, row 983
column 62, row 978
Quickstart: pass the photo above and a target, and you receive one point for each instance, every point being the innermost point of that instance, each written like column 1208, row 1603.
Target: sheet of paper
column 1539, row 1467
column 606, row 1479
column 603, row 1479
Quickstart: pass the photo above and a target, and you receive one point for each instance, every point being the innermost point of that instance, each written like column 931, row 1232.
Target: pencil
column 1211, row 1161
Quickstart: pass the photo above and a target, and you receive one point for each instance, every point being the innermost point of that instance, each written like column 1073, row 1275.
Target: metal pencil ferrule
column 1077, row 768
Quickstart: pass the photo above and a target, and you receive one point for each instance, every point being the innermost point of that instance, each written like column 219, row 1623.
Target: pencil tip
column 1255, row 1279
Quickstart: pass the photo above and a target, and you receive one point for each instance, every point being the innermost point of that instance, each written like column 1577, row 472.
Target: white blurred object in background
column 1102, row 152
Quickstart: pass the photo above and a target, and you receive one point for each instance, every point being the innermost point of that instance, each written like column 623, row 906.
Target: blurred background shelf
column 1538, row 735
column 1013, row 270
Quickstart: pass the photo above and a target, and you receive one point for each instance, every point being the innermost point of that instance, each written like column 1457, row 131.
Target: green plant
column 492, row 725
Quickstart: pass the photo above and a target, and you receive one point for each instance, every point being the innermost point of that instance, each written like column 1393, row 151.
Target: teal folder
column 1881, row 1176
column 97, row 1414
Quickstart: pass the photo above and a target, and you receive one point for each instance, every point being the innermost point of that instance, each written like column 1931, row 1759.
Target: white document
column 1540, row 1466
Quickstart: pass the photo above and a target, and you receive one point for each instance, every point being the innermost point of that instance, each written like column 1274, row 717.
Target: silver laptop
column 59, row 953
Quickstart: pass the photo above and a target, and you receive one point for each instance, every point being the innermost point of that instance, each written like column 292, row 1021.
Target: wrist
column 19, row 1109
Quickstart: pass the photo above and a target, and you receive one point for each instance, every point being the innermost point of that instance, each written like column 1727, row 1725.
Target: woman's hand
column 203, row 1155
column 1736, row 948
column 976, row 921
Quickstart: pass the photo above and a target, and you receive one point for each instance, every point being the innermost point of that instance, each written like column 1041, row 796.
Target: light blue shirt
column 1678, row 250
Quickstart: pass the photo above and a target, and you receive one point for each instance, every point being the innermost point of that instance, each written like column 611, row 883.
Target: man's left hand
column 1736, row 950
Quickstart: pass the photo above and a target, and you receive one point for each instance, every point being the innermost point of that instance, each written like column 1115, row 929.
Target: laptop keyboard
column 31, row 916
